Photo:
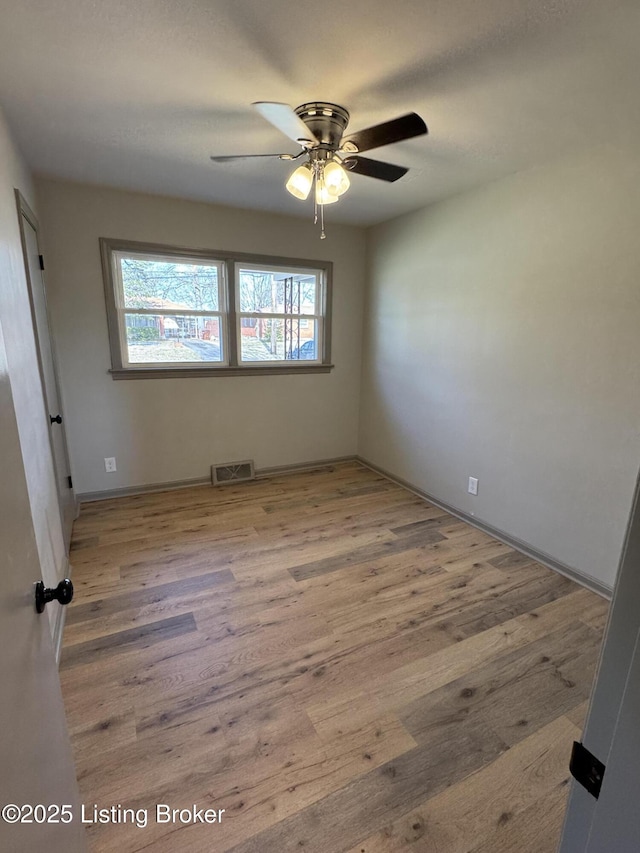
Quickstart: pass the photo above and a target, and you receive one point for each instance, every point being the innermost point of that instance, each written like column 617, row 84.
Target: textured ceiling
column 138, row 94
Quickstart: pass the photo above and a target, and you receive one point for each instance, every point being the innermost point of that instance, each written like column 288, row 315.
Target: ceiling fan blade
column 287, row 122
column 375, row 168
column 228, row 158
column 396, row 130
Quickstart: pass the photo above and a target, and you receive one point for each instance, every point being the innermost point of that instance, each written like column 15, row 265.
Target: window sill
column 190, row 372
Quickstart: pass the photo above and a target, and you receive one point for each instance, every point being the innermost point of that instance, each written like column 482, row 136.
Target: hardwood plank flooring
column 339, row 665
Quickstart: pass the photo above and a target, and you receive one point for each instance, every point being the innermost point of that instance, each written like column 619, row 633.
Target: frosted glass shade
column 323, row 196
column 300, row 182
column 336, row 179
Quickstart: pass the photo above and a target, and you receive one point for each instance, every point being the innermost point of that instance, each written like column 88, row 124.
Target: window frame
column 112, row 249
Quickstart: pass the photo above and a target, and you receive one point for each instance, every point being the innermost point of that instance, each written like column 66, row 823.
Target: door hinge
column 41, row 259
column 70, row 481
column 586, row 769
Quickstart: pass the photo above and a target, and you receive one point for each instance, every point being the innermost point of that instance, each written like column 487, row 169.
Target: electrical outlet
column 473, row 485
column 110, row 464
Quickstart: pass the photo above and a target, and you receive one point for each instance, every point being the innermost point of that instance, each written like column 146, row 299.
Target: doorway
column 34, row 268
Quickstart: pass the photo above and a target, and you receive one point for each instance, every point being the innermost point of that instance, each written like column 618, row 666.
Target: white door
column 36, row 766
column 611, row 824
column 48, row 372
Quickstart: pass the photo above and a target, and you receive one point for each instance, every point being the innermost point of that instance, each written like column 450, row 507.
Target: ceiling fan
column 318, row 127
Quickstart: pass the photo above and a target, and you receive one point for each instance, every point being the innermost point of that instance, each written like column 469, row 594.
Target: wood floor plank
column 338, row 820
column 379, row 512
column 535, row 830
column 440, row 522
column 100, row 733
column 114, row 644
column 470, row 814
column 150, row 604
column 332, row 660
column 515, row 693
column 411, row 681
column 518, row 595
column 578, row 715
column 86, row 611
column 511, row 559
column 366, row 554
column 258, row 789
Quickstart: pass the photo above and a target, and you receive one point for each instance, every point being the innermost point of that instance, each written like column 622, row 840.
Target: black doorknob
column 62, row 593
column 56, row 420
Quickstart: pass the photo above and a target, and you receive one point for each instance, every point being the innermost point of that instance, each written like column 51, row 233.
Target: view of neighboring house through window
column 170, row 310
column 181, row 310
column 280, row 314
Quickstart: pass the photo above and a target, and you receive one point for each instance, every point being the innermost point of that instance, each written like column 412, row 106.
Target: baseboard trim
column 261, row 473
column 147, row 488
column 513, row 542
column 301, row 467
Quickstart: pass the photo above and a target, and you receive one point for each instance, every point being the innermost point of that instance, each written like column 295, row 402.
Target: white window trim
column 111, row 249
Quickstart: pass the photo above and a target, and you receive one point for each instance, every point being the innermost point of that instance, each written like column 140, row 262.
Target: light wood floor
column 333, row 661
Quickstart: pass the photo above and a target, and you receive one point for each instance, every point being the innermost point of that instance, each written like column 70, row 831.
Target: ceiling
column 138, row 93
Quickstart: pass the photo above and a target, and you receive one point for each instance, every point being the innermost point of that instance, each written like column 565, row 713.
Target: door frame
column 25, row 211
column 585, row 816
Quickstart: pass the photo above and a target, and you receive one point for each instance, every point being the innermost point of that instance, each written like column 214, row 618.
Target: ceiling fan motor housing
column 327, row 122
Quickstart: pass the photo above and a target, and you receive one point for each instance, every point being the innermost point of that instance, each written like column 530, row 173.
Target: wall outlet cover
column 473, row 485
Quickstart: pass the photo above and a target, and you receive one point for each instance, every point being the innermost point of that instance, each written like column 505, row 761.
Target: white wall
column 163, row 430
column 31, row 414
column 503, row 342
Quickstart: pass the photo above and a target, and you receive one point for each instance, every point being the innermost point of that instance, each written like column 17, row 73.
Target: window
column 284, row 307
column 178, row 312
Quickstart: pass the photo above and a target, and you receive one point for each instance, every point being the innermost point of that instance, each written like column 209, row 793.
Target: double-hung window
column 181, row 312
column 280, row 312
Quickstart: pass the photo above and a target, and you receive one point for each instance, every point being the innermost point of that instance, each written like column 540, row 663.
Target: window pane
column 169, row 284
column 273, row 292
column 279, row 340
column 159, row 338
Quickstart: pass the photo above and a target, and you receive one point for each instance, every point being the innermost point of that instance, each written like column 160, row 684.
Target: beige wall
column 503, row 342
column 163, row 430
column 31, row 415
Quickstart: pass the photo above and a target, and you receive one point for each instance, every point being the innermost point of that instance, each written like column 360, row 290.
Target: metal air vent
column 232, row 472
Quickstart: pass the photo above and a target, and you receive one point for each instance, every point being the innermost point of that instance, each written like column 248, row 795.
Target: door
column 36, row 766
column 48, row 371
column 611, row 824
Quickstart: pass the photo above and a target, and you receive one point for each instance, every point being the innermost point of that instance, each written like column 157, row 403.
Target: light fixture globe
column 323, row 196
column 336, row 179
column 301, row 181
